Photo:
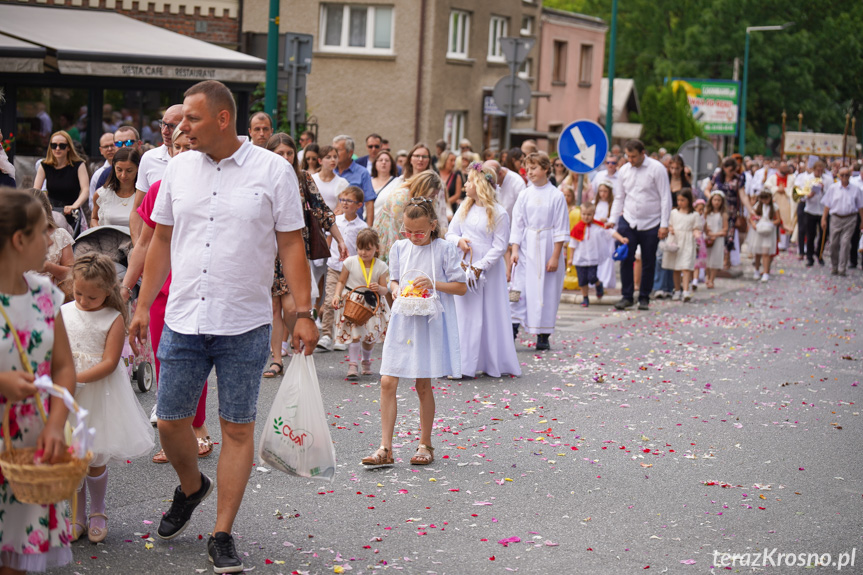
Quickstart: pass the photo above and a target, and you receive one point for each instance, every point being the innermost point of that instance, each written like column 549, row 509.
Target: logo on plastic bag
column 300, row 437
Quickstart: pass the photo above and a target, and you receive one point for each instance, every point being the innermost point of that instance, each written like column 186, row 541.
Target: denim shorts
column 186, row 361
column 586, row 275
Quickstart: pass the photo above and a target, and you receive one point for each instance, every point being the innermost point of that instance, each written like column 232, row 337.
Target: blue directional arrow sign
column 582, row 146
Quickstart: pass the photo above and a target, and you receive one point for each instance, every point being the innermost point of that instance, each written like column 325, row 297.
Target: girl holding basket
column 422, row 339
column 363, row 269
column 34, row 537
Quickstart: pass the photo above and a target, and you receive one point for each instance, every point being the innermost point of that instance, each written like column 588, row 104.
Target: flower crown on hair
column 478, row 167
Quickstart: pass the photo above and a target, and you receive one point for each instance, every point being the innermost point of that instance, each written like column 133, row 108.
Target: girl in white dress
column 762, row 236
column 604, row 200
column 683, row 225
column 113, row 202
column 540, row 227
column 422, row 338
column 481, row 226
column 96, row 322
column 363, row 269
column 715, row 230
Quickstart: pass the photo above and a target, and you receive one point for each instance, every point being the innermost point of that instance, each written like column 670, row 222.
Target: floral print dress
column 32, row 537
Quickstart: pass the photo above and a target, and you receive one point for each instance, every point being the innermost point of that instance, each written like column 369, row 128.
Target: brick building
column 214, row 21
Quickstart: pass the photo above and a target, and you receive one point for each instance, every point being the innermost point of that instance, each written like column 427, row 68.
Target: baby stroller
column 74, row 223
column 116, row 243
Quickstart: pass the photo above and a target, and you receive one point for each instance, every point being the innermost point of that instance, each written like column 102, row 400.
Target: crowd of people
column 251, row 247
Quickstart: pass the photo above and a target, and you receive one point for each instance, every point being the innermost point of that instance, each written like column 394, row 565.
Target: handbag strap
column 25, row 361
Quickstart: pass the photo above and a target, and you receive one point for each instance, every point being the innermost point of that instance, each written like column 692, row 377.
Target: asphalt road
column 643, row 442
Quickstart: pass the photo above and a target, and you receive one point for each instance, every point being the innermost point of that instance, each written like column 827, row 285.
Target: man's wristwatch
column 305, row 315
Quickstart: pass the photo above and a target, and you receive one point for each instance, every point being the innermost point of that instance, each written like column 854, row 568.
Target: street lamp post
column 750, row 29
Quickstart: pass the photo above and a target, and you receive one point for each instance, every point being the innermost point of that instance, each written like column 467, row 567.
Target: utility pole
column 609, row 107
column 272, row 83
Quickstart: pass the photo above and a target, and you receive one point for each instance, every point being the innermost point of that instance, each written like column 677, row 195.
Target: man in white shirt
column 260, row 129
column 219, row 210
column 153, row 164
column 808, row 227
column 843, row 202
column 641, row 209
column 107, row 149
column 609, row 173
column 510, row 185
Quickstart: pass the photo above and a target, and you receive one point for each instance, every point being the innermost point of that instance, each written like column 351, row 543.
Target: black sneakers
column 623, row 303
column 175, row 520
column 542, row 342
column 223, row 554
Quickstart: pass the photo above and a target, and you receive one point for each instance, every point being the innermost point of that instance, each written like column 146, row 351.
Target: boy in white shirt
column 350, row 201
column 592, row 244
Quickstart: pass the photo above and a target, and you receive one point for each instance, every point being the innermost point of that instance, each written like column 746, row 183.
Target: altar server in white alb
column 480, row 228
column 540, row 226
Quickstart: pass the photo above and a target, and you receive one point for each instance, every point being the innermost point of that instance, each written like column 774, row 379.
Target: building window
column 497, row 29
column 558, row 62
column 525, row 69
column 454, row 128
column 459, row 30
column 585, row 69
column 356, row 28
column 526, row 25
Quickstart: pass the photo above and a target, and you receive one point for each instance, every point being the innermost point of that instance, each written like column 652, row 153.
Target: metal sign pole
column 292, row 100
column 579, row 190
column 509, row 109
column 695, row 167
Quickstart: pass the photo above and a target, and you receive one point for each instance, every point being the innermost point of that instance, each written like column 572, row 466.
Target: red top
column 145, row 210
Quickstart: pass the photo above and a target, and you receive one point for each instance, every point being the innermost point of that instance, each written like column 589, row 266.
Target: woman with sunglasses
column 283, row 301
column 311, row 159
column 558, row 172
column 113, row 202
column 409, row 186
column 65, row 175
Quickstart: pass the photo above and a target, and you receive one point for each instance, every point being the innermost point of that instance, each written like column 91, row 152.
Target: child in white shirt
column 592, row 245
column 349, row 224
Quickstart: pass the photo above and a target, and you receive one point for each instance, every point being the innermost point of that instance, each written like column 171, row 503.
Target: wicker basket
column 40, row 484
column 356, row 313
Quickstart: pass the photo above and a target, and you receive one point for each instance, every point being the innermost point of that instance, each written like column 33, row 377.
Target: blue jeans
column 662, row 279
column 186, row 361
column 648, row 240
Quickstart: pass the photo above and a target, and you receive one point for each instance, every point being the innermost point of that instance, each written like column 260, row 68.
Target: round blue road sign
column 582, row 146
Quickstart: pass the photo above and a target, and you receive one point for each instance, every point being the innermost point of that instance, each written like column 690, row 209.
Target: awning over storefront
column 103, row 43
column 17, row 56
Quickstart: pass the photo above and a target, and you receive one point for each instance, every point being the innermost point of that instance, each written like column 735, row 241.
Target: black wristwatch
column 305, row 315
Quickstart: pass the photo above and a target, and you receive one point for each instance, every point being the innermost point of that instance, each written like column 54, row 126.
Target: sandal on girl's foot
column 367, row 368
column 352, row 371
column 78, row 529
column 205, row 446
column 160, row 457
column 382, row 456
column 273, row 372
column 97, row 534
column 423, row 458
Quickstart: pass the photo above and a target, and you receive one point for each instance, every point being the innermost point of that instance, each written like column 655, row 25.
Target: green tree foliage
column 667, row 118
column 814, row 67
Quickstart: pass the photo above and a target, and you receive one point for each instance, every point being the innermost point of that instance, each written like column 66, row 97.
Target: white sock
column 354, row 352
column 367, row 354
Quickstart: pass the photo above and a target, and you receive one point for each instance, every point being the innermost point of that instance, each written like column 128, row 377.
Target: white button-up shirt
column 225, row 216
column 349, row 230
column 813, row 205
column 642, row 195
column 842, row 200
column 152, row 168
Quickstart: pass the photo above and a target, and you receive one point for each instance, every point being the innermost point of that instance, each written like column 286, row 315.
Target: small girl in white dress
column 422, row 339
column 96, row 322
column 604, row 200
column 762, row 236
column 684, row 225
column 363, row 269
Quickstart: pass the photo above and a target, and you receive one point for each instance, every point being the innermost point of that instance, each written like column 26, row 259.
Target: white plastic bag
column 297, row 439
